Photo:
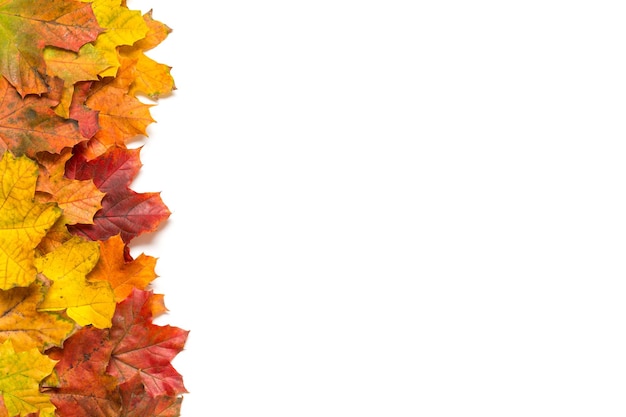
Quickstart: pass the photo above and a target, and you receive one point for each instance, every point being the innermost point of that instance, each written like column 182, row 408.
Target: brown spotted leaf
column 81, row 387
column 30, row 125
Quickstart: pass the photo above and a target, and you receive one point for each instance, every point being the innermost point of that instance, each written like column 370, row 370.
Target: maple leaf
column 26, row 327
column 80, row 386
column 86, row 302
column 70, row 74
column 23, row 222
column 21, row 373
column 150, row 77
column 123, row 27
column 26, row 27
column 121, row 116
column 124, row 211
column 135, row 402
column 123, row 275
column 145, row 349
column 157, row 33
column 79, row 199
column 73, row 67
column 29, row 125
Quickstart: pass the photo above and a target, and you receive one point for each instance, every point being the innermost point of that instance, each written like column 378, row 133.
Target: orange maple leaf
column 29, row 125
column 123, row 274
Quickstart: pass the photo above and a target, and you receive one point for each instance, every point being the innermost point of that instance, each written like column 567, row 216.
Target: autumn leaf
column 80, row 386
column 123, row 27
column 157, row 33
column 26, row 27
column 72, row 68
column 26, row 327
column 145, row 349
column 124, row 211
column 149, row 77
column 123, row 275
column 136, row 402
column 23, row 222
column 30, row 125
column 79, row 199
column 86, row 302
column 121, row 116
column 87, row 118
column 20, row 375
column 77, row 337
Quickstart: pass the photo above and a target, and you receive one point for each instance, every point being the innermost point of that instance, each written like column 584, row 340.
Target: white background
column 393, row 208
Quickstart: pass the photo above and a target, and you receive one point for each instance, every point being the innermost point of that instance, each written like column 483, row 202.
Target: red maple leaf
column 124, row 211
column 87, row 118
column 145, row 349
column 82, row 386
column 136, row 403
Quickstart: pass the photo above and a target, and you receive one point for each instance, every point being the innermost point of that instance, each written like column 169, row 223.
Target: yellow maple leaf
column 23, row 222
column 123, row 27
column 19, row 381
column 86, row 302
column 24, row 325
column 150, row 77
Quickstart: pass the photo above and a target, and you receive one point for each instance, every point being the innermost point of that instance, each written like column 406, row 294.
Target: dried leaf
column 23, row 222
column 124, row 211
column 86, row 302
column 25, row 326
column 20, row 375
column 27, row 27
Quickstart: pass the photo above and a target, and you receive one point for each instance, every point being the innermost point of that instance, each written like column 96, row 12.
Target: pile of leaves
column 77, row 331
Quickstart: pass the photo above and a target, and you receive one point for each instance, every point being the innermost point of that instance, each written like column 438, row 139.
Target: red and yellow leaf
column 79, row 199
column 124, row 211
column 27, row 27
